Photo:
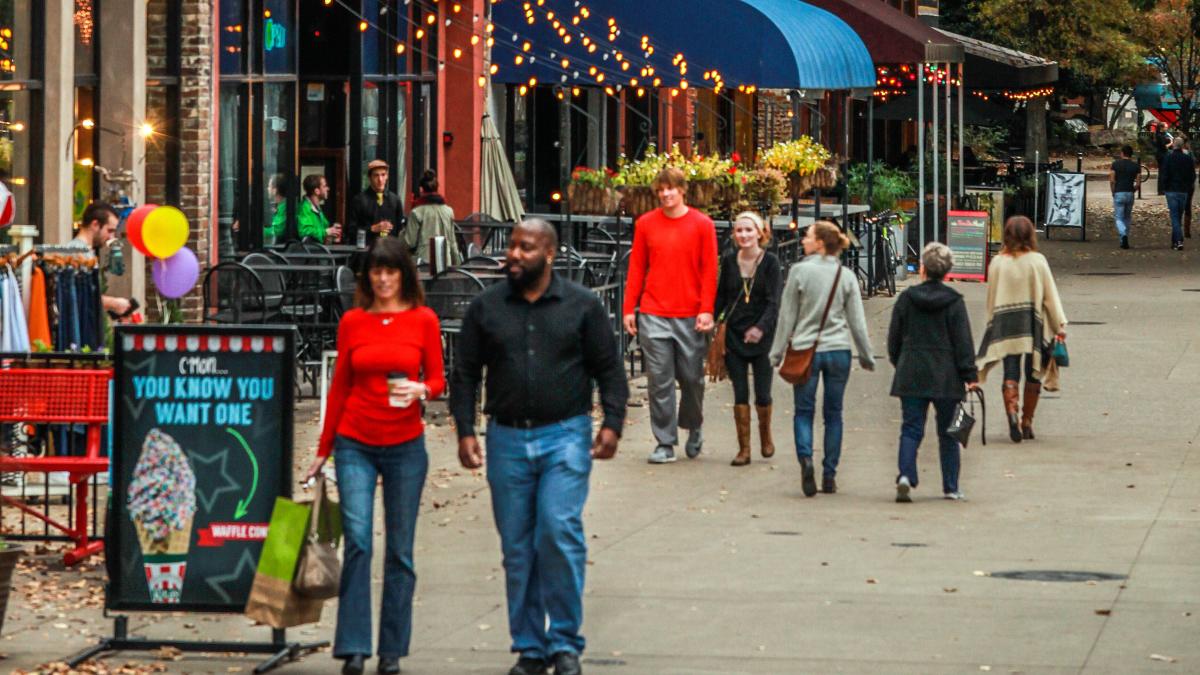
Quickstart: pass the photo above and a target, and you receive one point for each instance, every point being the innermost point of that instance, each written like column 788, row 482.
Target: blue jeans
column 1123, row 211
column 539, row 482
column 912, row 430
column 403, row 469
column 834, row 368
column 1177, row 204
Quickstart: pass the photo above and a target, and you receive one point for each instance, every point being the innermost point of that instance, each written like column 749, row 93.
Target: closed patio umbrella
column 498, row 189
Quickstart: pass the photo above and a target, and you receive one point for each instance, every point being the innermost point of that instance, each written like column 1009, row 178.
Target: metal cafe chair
column 448, row 295
column 273, row 283
column 234, row 293
column 346, row 284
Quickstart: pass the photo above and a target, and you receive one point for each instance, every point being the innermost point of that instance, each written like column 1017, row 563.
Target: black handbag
column 964, row 421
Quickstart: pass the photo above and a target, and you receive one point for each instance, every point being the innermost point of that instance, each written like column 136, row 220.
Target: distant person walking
column 545, row 343
column 1024, row 316
column 1122, row 180
column 929, row 343
column 1178, row 179
column 748, row 305
column 810, row 284
column 669, row 298
column 431, row 217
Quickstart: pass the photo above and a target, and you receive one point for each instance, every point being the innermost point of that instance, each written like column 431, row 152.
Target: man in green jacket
column 310, row 219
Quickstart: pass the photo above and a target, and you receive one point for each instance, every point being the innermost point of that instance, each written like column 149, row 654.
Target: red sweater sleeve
column 636, row 274
column 339, row 389
column 432, row 365
column 708, row 268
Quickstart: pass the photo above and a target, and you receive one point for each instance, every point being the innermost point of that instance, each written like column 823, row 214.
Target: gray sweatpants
column 674, row 352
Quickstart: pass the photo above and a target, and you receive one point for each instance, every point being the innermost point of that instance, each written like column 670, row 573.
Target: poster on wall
column 991, row 200
column 1066, row 196
column 202, row 447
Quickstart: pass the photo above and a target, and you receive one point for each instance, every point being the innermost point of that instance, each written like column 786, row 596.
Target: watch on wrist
column 424, row 391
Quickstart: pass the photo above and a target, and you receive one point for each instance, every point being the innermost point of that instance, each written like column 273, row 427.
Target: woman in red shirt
column 389, row 360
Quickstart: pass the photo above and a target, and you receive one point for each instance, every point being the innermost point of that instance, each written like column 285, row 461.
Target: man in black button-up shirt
column 544, row 341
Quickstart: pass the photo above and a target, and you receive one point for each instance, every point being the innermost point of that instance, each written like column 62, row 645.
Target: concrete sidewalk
column 698, row 567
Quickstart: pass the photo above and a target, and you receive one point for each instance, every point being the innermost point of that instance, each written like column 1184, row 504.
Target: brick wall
column 197, row 153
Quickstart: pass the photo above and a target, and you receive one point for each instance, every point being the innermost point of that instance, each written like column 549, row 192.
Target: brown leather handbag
column 319, row 571
column 797, row 363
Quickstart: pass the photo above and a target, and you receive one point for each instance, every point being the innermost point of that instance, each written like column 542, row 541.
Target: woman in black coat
column 748, row 303
column 929, row 343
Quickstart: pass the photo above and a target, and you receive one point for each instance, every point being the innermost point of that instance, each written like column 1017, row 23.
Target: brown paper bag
column 273, row 601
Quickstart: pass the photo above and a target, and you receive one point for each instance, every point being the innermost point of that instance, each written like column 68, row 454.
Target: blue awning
column 777, row 44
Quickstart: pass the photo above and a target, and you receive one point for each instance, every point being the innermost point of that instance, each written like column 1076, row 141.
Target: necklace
column 748, row 284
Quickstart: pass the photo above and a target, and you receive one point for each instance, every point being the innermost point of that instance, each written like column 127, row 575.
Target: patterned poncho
column 1024, row 313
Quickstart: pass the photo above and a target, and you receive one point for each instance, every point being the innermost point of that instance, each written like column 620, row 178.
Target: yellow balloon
column 165, row 231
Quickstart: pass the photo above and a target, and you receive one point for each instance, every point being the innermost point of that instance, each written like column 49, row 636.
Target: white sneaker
column 902, row 488
column 663, row 454
column 956, row 496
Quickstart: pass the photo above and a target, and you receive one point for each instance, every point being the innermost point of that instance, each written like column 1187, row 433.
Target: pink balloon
column 133, row 227
column 177, row 275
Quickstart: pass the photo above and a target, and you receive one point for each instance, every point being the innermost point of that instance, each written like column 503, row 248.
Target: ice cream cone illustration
column 162, row 503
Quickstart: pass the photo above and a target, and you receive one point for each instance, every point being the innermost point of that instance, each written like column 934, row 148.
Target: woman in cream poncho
column 1024, row 317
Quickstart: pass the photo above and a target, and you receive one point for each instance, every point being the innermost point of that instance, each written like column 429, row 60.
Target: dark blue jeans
column 1176, row 204
column 912, row 431
column 834, row 368
column 539, row 482
column 359, row 467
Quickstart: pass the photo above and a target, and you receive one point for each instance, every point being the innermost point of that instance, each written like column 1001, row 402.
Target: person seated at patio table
column 431, row 218
column 310, row 219
column 277, row 191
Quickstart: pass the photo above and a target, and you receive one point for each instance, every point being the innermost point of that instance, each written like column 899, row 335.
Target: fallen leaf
column 872, row 581
column 1104, row 612
column 1160, row 657
column 950, row 589
column 484, row 626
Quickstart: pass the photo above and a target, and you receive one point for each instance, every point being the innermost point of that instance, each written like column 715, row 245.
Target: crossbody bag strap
column 829, row 303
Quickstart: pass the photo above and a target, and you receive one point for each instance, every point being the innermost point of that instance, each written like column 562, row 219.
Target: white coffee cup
column 397, row 400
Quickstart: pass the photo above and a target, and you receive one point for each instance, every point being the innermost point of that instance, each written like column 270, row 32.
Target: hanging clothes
column 39, row 315
column 15, row 336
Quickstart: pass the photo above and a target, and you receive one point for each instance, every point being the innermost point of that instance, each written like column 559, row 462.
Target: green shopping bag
column 273, row 601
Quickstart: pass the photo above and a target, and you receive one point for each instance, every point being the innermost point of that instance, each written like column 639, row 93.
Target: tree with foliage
column 1170, row 31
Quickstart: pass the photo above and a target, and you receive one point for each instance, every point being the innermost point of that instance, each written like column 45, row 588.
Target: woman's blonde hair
column 764, row 232
column 831, row 235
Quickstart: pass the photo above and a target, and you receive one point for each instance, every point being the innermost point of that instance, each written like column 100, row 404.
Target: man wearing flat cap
column 376, row 211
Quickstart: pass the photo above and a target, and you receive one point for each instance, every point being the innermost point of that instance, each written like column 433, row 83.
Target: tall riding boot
column 764, row 430
column 1033, row 391
column 741, row 415
column 1012, row 407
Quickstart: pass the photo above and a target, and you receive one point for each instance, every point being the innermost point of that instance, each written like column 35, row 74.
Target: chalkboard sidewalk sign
column 202, row 429
column 967, row 237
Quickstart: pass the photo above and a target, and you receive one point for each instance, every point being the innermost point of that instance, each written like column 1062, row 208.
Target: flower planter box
column 592, row 199
column 638, row 199
column 700, row 193
column 798, row 185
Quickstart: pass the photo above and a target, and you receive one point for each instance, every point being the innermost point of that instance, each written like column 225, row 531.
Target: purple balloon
column 175, row 276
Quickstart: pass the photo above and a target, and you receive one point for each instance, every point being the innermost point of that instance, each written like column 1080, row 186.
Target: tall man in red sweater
column 669, row 296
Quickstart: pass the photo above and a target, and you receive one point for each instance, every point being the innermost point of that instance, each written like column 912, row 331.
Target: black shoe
column 528, row 666
column 566, row 663
column 828, row 485
column 1014, row 429
column 388, row 665
column 1125, row 242
column 809, row 476
column 354, row 665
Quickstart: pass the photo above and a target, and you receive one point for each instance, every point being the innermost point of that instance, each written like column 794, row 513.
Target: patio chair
column 449, row 293
column 273, row 282
column 346, row 285
column 233, row 293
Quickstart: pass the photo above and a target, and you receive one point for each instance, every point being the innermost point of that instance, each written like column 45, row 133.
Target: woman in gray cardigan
column 805, row 294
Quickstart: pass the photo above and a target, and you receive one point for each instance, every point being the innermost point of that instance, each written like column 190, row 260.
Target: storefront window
column 17, row 40
column 370, row 121
column 374, row 41
column 279, row 36
column 86, row 144
column 278, row 173
column 85, row 37
column 231, row 168
column 400, row 160
column 233, row 36
column 16, row 150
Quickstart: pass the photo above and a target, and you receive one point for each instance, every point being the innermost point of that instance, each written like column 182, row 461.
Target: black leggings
column 1012, row 368
column 739, row 375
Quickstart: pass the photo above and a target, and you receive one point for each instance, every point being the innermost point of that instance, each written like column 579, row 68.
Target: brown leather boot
column 764, row 430
column 1033, row 391
column 1012, row 409
column 741, row 415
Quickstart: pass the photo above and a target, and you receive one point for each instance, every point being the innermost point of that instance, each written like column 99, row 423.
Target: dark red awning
column 891, row 36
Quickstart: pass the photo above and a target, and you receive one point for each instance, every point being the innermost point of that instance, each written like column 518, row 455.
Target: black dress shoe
column 528, row 666
column 828, row 485
column 354, row 665
column 808, row 476
column 388, row 665
column 566, row 663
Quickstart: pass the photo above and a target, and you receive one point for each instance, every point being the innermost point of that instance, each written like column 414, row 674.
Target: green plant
column 888, row 185
column 985, row 141
column 586, row 175
column 802, row 157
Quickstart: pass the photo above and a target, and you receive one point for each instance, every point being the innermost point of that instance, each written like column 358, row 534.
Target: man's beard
column 527, row 277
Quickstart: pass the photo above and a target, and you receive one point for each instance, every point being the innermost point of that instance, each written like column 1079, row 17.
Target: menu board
column 967, row 237
column 202, row 447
